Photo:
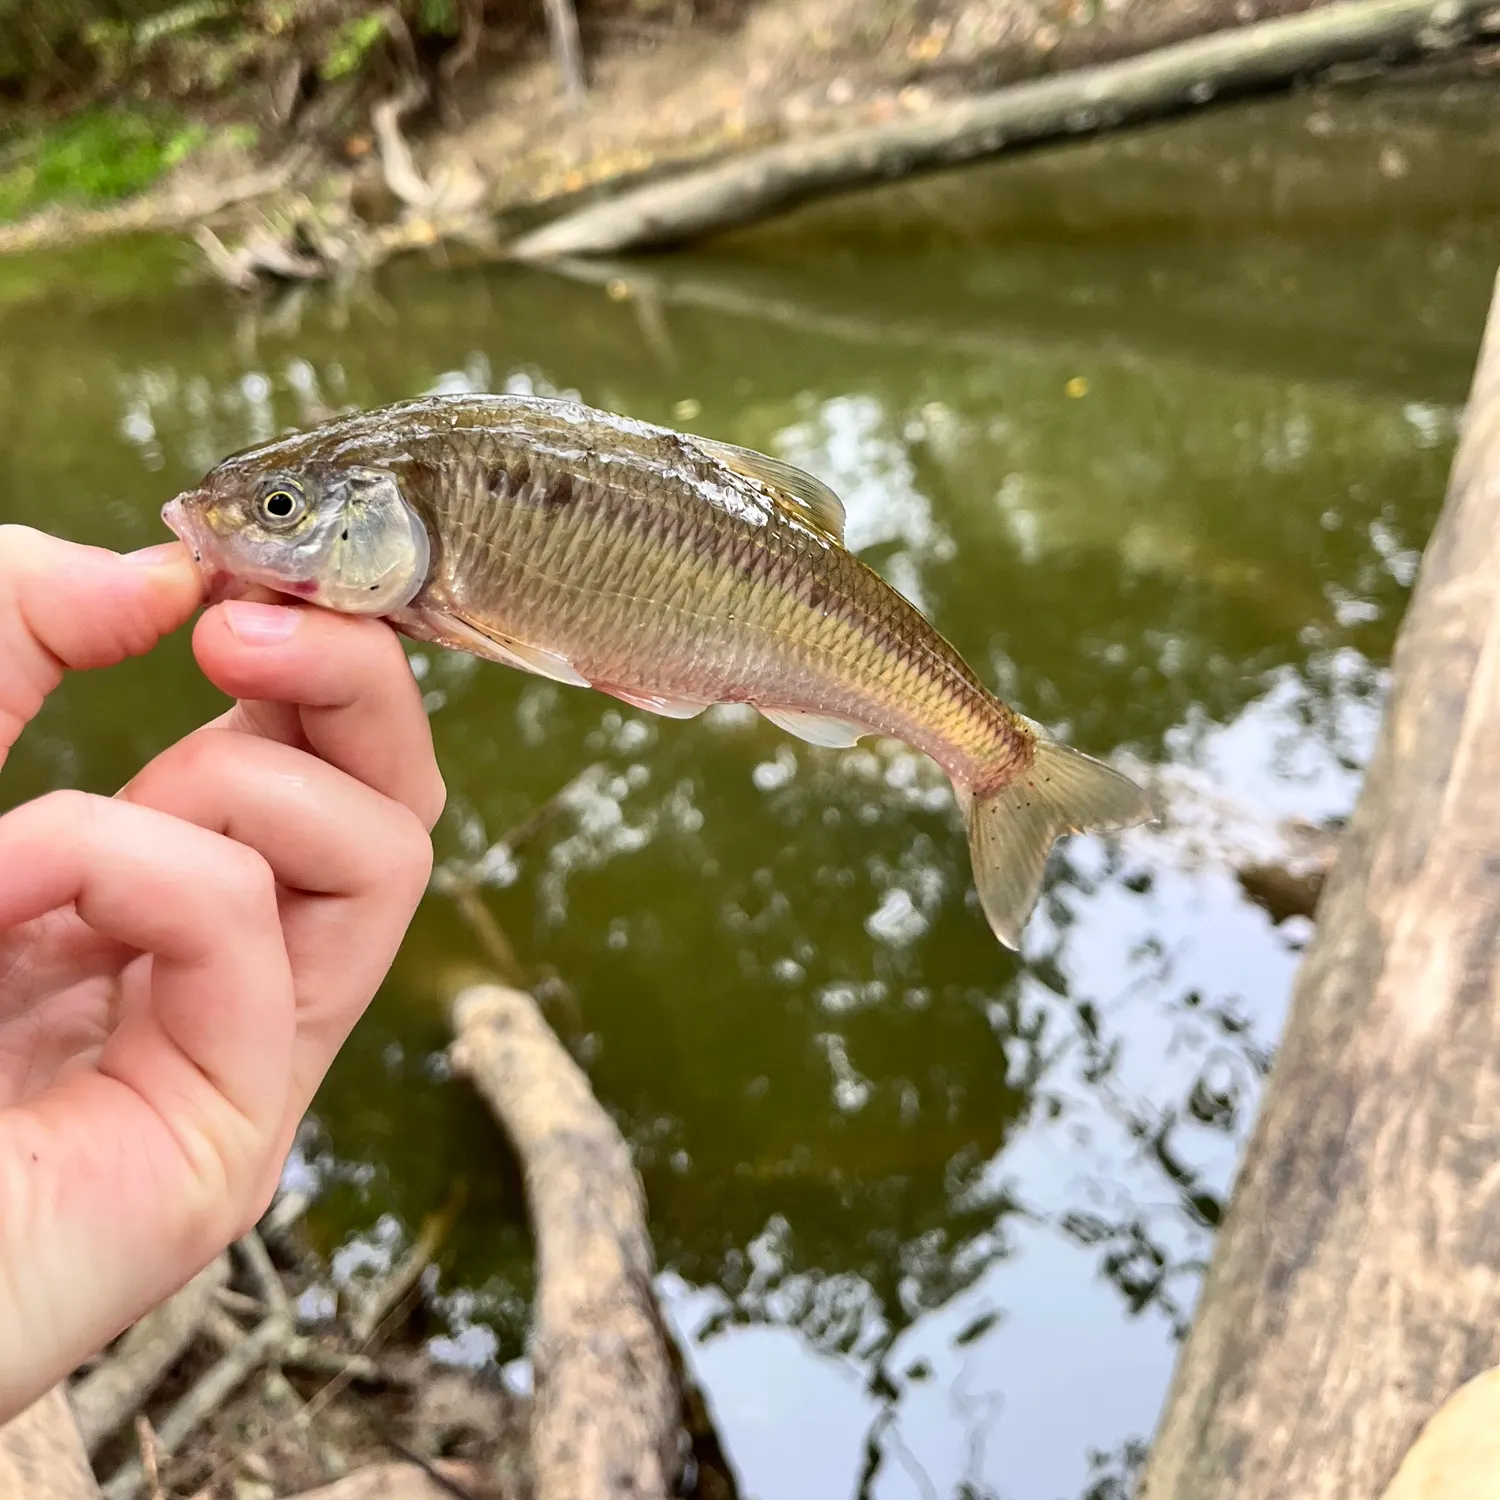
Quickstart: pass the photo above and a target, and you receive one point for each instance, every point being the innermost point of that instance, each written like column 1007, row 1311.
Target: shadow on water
column 932, row 1216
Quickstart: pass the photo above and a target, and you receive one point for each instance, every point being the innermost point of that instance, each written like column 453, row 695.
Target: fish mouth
column 218, row 583
column 183, row 526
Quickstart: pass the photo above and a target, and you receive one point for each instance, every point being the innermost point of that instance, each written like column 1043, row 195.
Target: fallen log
column 1354, row 1287
column 1190, row 74
column 606, row 1412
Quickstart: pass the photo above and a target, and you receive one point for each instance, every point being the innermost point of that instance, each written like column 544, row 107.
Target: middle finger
column 352, row 864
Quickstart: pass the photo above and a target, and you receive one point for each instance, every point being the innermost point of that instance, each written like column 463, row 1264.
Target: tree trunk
column 1356, row 1281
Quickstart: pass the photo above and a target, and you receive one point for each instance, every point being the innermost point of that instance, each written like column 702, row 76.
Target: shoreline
column 826, row 100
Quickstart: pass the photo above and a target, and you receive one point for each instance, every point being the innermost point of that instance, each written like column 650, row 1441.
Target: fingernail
column 261, row 624
column 156, row 557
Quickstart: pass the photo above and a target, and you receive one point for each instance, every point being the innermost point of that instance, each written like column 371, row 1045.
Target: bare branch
column 106, row 1398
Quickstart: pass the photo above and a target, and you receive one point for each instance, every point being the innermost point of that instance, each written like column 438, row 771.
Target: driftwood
column 745, row 188
column 42, row 1456
column 1354, row 1286
column 107, row 1398
column 605, row 1418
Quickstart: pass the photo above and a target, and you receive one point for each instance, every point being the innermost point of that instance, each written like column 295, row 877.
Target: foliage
column 79, row 81
column 351, row 45
column 96, row 156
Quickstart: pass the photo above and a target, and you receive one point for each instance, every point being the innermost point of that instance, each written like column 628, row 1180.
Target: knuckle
column 435, row 801
column 259, row 1194
column 412, row 855
column 20, row 546
column 244, row 880
column 69, row 811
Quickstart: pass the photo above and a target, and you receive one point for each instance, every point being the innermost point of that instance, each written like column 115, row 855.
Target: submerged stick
column 1354, row 1287
column 749, row 187
column 371, row 1310
column 605, row 1419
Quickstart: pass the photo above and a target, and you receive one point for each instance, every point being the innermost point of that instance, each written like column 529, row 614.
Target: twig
column 376, row 1304
column 146, row 1441
column 461, row 883
column 430, row 1469
column 202, row 1400
column 315, row 1403
column 489, row 933
column 106, row 1398
column 285, row 1213
column 302, row 1353
column 238, row 1302
column 449, row 880
column 222, row 1329
column 267, row 1281
column 1189, row 74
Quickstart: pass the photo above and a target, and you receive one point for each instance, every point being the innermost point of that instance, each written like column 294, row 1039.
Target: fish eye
column 282, row 506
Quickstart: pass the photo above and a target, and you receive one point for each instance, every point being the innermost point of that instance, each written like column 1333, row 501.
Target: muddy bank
column 479, row 139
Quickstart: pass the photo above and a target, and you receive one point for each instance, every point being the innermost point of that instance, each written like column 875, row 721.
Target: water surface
column 1154, row 429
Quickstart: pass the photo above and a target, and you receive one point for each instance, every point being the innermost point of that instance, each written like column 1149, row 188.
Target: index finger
column 68, row 607
column 333, row 684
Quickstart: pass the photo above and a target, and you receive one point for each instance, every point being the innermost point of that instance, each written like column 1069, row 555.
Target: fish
column 668, row 570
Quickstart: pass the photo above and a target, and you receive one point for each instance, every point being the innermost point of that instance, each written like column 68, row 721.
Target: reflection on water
column 930, row 1216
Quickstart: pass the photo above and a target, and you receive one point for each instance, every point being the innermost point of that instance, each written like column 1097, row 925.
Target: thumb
column 68, row 607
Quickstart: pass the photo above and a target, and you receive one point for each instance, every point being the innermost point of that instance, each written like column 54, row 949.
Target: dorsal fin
column 812, row 500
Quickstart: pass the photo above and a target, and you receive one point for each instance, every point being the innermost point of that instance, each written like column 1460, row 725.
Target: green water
column 1155, row 430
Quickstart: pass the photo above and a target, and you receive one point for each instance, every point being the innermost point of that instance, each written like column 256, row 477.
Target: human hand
column 180, row 963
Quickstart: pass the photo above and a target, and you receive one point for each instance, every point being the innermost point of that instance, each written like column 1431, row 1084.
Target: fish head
column 339, row 535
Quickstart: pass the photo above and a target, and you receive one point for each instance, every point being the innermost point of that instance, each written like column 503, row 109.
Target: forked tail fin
column 1012, row 828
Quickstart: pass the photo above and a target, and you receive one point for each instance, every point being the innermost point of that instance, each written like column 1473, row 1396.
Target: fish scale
column 670, row 570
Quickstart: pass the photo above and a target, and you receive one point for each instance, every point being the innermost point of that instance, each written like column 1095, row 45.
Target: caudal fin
column 1012, row 829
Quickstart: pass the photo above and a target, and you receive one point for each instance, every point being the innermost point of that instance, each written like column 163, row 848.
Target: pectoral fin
column 446, row 628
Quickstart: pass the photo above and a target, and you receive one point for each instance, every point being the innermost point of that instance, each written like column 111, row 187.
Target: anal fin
column 817, row 729
column 657, row 703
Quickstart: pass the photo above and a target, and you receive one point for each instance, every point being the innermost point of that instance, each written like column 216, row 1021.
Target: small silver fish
column 668, row 570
